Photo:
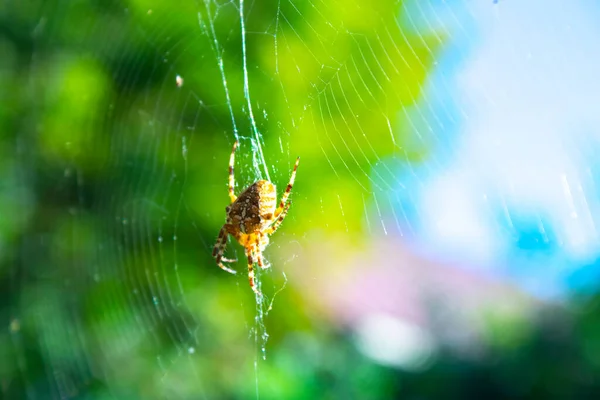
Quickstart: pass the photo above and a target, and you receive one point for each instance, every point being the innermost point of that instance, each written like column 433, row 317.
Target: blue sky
column 513, row 183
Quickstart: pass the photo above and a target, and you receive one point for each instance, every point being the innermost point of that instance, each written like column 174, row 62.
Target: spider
column 251, row 218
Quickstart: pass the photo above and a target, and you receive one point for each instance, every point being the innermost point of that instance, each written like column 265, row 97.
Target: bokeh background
column 442, row 241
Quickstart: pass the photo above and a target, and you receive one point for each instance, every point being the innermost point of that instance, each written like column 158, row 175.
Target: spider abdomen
column 267, row 199
column 254, row 208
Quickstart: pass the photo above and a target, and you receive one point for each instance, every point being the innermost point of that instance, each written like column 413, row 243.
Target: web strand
column 257, row 136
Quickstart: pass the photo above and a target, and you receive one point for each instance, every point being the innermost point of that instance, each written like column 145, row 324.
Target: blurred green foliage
column 114, row 186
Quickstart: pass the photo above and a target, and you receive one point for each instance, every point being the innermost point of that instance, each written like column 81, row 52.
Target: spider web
column 114, row 291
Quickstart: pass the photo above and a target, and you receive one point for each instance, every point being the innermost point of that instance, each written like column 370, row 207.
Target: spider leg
column 219, row 249
column 228, row 260
column 288, row 190
column 232, row 196
column 261, row 242
column 260, row 261
column 275, row 225
column 251, row 272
